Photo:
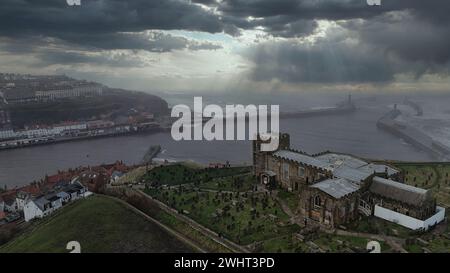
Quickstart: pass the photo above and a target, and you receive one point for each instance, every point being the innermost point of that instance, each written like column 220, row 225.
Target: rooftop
column 301, row 158
column 336, row 160
column 399, row 191
column 337, row 188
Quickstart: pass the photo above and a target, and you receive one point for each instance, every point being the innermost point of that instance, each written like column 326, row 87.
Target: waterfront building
column 7, row 134
column 335, row 189
column 5, row 119
column 58, row 92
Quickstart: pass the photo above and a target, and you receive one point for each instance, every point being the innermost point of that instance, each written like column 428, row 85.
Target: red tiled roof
column 8, row 194
column 55, row 178
column 31, row 189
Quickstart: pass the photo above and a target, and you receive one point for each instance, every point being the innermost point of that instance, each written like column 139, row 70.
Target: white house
column 45, row 205
column 75, row 191
column 41, row 206
column 65, row 197
column 22, row 199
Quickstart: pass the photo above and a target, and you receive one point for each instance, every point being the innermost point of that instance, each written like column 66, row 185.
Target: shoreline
column 80, row 138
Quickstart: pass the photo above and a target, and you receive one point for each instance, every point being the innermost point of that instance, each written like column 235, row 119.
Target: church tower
column 260, row 158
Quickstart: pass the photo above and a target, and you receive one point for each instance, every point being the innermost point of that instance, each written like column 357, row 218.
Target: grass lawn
column 430, row 176
column 239, row 183
column 337, row 243
column 376, row 225
column 182, row 174
column 290, row 198
column 133, row 176
column 196, row 236
column 243, row 218
column 99, row 224
column 284, row 244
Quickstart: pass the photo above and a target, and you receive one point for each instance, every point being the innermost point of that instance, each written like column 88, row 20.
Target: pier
column 151, row 153
column 413, row 135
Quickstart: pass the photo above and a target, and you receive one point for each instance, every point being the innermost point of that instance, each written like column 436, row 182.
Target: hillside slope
column 99, row 224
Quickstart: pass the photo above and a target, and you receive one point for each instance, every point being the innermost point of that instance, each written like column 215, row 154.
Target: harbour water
column 354, row 133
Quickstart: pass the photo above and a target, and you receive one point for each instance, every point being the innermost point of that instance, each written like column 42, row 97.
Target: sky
column 232, row 45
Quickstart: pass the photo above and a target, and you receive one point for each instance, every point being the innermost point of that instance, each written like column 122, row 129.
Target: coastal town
column 26, row 91
column 283, row 201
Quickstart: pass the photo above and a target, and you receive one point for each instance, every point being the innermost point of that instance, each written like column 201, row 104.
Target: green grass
column 376, row 225
column 291, row 199
column 182, row 174
column 99, row 224
column 284, row 244
column 413, row 248
column 422, row 176
column 239, row 183
column 196, row 236
column 429, row 176
column 439, row 245
column 243, row 218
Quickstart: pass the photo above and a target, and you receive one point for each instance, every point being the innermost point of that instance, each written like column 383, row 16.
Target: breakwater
column 413, row 135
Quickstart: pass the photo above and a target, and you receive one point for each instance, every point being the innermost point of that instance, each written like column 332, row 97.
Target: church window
column 301, row 171
column 285, row 170
column 317, row 201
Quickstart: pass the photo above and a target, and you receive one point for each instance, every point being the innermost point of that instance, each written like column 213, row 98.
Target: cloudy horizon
column 226, row 45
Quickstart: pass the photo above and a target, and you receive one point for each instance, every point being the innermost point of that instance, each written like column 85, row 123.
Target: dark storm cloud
column 403, row 37
column 286, row 18
column 101, row 23
column 280, row 15
column 374, row 50
column 406, row 37
column 152, row 41
column 54, row 17
column 77, row 58
column 400, row 36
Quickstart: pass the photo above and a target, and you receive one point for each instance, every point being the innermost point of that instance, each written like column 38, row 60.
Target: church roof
column 351, row 174
column 399, row 191
column 337, row 188
column 300, row 158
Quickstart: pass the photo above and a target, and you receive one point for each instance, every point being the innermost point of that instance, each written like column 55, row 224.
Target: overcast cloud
column 294, row 42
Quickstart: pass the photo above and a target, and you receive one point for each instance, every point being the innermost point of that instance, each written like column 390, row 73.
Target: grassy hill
column 99, row 224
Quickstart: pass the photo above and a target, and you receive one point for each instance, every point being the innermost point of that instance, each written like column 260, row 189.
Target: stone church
column 334, row 189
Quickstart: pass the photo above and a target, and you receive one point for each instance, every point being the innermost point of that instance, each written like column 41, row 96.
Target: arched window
column 317, row 201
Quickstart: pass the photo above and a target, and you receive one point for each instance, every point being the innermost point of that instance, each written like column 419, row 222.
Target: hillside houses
column 43, row 197
column 46, row 204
